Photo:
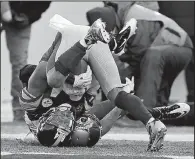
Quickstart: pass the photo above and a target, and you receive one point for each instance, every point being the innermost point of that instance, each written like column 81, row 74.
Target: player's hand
column 129, row 85
column 89, row 99
column 83, row 80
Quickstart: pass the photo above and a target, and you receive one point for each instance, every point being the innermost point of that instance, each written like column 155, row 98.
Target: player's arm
column 107, row 113
column 110, row 119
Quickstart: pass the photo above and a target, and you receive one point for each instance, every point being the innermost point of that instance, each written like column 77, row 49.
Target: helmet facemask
column 87, row 131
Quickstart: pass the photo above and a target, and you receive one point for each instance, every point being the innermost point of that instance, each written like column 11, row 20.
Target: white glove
column 129, row 85
column 83, row 80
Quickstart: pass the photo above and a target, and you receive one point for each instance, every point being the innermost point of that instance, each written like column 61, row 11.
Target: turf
column 105, row 149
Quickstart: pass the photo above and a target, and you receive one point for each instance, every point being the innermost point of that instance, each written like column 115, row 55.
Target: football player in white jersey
column 65, row 75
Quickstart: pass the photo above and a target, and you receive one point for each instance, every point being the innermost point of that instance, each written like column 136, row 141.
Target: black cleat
column 118, row 43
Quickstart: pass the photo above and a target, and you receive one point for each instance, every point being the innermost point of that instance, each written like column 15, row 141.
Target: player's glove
column 83, row 80
column 129, row 85
column 76, row 85
column 89, row 99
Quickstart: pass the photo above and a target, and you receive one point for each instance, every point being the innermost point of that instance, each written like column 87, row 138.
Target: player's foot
column 121, row 39
column 173, row 111
column 157, row 131
column 97, row 32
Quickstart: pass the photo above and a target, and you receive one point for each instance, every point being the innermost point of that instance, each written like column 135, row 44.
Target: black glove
column 89, row 99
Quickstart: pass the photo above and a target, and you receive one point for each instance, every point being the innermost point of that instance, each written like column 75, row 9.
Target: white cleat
column 174, row 111
column 97, row 32
column 157, row 131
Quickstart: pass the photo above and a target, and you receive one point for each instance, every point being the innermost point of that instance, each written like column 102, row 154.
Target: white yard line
column 71, row 154
column 110, row 136
column 180, row 157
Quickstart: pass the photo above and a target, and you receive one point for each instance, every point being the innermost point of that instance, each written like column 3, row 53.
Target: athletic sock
column 70, row 59
column 156, row 113
column 134, row 106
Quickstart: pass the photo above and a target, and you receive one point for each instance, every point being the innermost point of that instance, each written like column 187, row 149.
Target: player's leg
column 58, row 70
column 104, row 68
column 36, row 82
column 108, row 114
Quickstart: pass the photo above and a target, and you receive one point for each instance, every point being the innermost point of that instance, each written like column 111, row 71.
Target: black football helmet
column 55, row 126
column 87, row 131
column 26, row 72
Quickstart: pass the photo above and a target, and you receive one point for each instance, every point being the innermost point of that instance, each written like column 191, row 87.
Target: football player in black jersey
column 60, row 112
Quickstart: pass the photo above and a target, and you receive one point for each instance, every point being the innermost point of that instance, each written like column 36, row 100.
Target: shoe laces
column 163, row 112
column 113, row 35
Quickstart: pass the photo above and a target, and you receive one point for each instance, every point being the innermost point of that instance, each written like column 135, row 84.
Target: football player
column 103, row 66
column 61, row 135
column 90, row 125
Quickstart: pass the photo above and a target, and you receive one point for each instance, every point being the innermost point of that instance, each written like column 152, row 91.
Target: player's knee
column 99, row 48
column 113, row 94
column 53, row 79
column 52, row 82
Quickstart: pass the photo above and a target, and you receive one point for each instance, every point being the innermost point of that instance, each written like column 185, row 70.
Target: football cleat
column 174, row 111
column 121, row 39
column 157, row 131
column 97, row 32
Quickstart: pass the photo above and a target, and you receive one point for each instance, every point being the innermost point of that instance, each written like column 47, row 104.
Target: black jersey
column 48, row 101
